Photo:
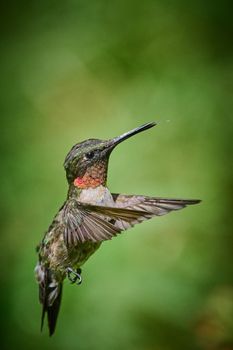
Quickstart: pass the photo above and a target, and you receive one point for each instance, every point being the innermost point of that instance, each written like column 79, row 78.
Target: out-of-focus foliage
column 72, row 70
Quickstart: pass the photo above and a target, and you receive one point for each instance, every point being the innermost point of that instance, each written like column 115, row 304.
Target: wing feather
column 86, row 222
column 83, row 224
column 154, row 205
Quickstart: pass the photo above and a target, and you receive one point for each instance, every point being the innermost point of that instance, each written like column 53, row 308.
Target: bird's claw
column 74, row 276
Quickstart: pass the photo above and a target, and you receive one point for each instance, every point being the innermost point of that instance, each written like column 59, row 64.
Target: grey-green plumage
column 90, row 215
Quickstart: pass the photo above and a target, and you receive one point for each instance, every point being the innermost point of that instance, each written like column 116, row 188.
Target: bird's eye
column 89, row 155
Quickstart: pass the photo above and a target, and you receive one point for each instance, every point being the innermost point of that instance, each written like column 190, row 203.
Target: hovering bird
column 90, row 215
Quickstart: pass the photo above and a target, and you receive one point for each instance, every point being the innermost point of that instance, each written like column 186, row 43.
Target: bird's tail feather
column 50, row 294
column 52, row 310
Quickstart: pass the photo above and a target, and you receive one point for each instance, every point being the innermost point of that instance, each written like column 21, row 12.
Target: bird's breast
column 97, row 196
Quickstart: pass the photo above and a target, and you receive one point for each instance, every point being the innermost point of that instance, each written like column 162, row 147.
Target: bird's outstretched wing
column 155, row 206
column 86, row 222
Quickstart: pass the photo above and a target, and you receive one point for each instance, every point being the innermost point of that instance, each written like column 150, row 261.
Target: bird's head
column 86, row 164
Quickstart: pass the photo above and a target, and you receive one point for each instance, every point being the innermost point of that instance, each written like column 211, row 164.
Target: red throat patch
column 87, row 182
column 94, row 176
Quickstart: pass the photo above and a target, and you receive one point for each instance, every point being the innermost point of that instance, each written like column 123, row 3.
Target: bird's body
column 53, row 250
column 90, row 215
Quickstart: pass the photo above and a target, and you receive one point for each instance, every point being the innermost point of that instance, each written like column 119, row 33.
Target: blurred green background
column 71, row 70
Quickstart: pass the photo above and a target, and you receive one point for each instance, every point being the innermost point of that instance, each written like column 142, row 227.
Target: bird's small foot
column 74, row 276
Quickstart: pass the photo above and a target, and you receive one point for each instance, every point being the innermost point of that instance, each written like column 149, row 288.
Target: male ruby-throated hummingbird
column 90, row 215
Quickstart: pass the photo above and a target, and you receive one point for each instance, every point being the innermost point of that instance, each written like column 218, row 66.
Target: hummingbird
column 90, row 215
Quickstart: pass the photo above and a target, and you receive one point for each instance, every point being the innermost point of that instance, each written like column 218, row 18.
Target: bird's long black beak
column 116, row 140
